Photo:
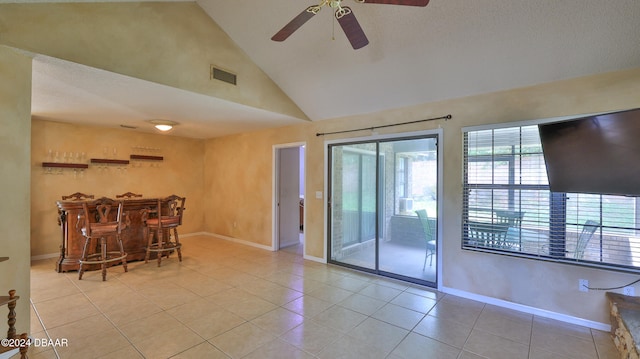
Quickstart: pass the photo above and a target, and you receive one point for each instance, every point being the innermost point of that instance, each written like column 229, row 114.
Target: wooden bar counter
column 72, row 240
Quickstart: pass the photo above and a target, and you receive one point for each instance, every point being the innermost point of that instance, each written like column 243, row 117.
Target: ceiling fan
column 345, row 17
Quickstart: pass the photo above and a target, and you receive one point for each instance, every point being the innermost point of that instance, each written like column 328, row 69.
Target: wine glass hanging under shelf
column 103, row 161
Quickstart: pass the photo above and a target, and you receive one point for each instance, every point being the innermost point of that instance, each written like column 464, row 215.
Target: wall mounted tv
column 594, row 154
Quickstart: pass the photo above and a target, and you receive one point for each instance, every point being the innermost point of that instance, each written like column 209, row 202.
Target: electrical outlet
column 628, row 291
column 583, row 285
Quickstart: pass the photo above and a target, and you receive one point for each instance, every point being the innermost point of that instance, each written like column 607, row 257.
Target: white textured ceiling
column 449, row 49
column 73, row 93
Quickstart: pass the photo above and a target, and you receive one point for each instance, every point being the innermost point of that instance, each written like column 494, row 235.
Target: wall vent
column 223, row 75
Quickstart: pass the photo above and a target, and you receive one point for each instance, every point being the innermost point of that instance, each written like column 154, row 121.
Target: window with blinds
column 508, row 208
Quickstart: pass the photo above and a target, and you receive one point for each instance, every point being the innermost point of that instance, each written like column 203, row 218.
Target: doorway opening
column 288, row 197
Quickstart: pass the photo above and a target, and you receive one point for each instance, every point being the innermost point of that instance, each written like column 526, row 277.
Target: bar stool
column 160, row 221
column 106, row 225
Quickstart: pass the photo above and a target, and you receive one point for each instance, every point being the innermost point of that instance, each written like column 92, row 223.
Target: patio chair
column 512, row 220
column 588, row 229
column 487, row 234
column 430, row 243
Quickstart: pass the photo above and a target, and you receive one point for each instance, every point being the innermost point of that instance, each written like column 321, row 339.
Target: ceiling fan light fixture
column 345, row 17
column 164, row 128
column 163, row 125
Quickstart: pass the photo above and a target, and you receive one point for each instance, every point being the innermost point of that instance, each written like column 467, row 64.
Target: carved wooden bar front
column 77, row 197
column 72, row 240
column 129, row 195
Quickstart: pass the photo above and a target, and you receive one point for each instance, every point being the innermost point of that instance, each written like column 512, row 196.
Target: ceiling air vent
column 223, row 75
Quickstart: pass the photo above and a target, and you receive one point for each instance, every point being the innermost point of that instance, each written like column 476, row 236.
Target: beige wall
column 181, row 173
column 15, row 125
column 239, row 181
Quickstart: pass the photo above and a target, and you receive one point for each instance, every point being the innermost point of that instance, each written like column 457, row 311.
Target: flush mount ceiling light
column 163, row 125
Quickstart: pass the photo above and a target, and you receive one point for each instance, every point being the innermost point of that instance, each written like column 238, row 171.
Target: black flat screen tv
column 595, row 154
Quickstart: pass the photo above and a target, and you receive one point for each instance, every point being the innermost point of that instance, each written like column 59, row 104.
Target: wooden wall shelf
column 109, row 161
column 145, row 157
column 65, row 165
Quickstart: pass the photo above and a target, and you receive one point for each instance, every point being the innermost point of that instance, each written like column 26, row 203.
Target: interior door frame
column 275, row 185
column 438, row 133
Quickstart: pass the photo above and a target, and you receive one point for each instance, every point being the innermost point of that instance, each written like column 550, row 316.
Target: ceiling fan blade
column 351, row 28
column 295, row 24
column 398, row 2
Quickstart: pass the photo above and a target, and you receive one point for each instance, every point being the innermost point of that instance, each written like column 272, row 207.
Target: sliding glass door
column 383, row 207
column 353, row 204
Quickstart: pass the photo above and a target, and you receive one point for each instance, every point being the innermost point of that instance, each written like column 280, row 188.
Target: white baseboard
column 45, row 256
column 527, row 309
column 269, row 248
column 193, row 234
column 240, row 241
column 315, row 259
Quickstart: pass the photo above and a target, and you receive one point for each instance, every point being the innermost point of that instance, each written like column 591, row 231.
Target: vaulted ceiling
column 448, row 49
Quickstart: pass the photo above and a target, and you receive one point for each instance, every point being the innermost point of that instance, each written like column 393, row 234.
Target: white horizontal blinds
column 505, row 174
column 615, row 240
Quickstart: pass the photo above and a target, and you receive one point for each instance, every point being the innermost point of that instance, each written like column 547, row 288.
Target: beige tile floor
column 227, row 300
